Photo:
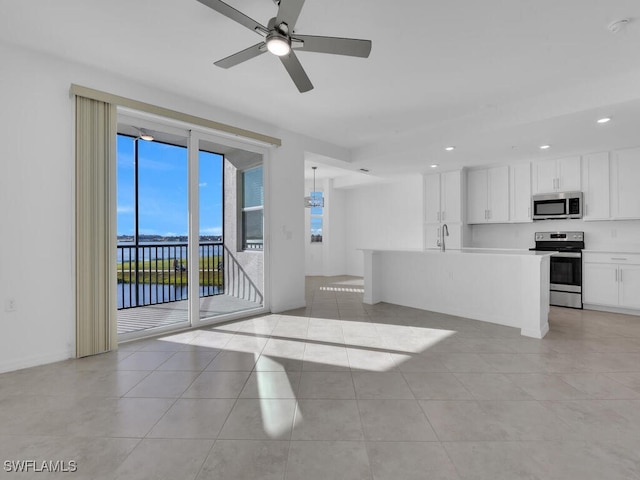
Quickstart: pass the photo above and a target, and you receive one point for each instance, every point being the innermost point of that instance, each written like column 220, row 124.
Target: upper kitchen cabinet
column 488, row 195
column 442, row 197
column 595, row 183
column 559, row 175
column 625, row 182
column 520, row 193
column 443, row 194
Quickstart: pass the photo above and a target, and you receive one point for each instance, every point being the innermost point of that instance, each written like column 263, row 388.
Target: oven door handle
column 567, row 254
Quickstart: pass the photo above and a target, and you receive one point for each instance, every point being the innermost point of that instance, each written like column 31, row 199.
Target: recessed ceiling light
column 544, row 147
column 435, row 165
column 448, row 149
column 604, row 120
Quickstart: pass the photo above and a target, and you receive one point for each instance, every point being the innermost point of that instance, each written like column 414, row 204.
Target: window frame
column 243, row 245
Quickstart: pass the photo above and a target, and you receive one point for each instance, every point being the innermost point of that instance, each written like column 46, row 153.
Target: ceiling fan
column 281, row 40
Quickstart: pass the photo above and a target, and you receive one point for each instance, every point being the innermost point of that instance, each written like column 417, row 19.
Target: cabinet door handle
column 620, row 275
column 489, row 213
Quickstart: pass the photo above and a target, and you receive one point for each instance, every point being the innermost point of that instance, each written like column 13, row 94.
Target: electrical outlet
column 10, row 305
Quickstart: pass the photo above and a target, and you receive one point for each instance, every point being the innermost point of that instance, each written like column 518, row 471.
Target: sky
column 163, row 189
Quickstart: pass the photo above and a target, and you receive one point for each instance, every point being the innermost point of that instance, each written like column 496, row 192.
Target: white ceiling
column 496, row 78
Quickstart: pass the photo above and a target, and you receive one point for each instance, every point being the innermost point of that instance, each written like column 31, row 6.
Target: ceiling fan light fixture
column 278, row 44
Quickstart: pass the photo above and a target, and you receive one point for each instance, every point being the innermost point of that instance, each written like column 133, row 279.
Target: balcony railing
column 155, row 273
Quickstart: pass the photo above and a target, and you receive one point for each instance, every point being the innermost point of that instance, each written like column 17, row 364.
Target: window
column 252, row 209
column 317, row 204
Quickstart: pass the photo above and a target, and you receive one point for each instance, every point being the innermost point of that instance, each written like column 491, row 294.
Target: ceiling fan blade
column 288, row 12
column 233, row 14
column 243, row 56
column 296, row 72
column 339, row 46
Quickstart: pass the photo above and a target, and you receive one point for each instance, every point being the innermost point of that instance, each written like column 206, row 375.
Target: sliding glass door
column 153, row 240
column 190, row 228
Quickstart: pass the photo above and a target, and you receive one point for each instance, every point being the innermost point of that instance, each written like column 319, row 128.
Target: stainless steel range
column 566, row 266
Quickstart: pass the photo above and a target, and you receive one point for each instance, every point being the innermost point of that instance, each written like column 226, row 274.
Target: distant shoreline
column 129, row 239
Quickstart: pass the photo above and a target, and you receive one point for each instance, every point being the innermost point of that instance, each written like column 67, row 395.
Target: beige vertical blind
column 96, row 316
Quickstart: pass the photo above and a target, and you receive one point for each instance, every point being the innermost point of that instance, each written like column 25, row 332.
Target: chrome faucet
column 445, row 231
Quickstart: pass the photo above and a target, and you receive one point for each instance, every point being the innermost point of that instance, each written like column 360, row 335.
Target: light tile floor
column 340, row 390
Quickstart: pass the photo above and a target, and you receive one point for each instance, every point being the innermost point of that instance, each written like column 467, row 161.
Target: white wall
column 336, row 225
column 37, row 195
column 388, row 215
column 604, row 235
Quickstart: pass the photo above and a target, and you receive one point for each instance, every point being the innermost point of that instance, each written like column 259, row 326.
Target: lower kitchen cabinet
column 600, row 284
column 629, row 285
column 611, row 279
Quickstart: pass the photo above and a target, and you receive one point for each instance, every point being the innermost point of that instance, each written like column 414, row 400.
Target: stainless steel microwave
column 557, row 205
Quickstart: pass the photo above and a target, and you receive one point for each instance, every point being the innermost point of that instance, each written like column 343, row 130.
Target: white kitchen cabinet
column 488, row 195
column 432, row 198
column 520, row 193
column 450, row 197
column 625, row 184
column 595, row 183
column 611, row 279
column 442, row 196
column 558, row 175
column 629, row 286
column 600, row 284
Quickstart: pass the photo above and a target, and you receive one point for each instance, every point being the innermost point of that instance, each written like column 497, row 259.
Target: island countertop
column 466, row 251
column 504, row 286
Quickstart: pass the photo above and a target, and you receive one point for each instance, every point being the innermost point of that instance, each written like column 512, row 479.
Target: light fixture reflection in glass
column 146, row 136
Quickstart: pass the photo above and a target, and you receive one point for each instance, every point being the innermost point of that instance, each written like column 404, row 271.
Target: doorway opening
column 190, row 226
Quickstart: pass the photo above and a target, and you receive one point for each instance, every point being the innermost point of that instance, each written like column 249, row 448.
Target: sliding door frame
column 195, row 134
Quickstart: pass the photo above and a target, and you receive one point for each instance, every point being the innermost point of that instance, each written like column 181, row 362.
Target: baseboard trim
column 34, row 361
column 604, row 308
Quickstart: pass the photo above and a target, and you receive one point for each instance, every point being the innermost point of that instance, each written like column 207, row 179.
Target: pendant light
column 314, row 201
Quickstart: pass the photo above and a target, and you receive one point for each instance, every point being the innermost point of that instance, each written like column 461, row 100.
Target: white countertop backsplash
column 619, row 236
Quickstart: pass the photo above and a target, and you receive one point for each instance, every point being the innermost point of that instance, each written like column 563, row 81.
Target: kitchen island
column 507, row 287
